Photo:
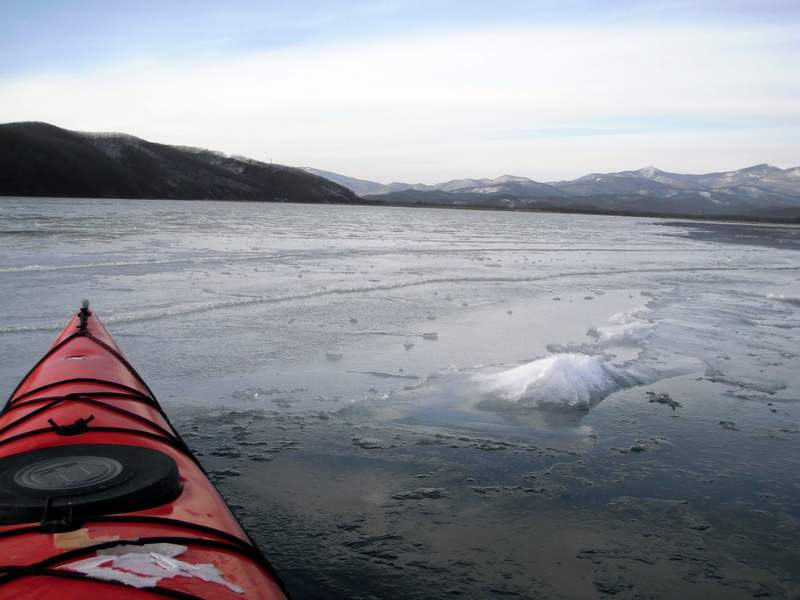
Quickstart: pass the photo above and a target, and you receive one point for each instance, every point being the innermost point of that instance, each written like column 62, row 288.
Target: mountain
column 364, row 187
column 506, row 184
column 647, row 181
column 760, row 191
column 37, row 159
column 759, row 181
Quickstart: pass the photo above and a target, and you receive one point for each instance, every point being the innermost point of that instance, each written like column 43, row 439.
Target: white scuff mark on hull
column 144, row 566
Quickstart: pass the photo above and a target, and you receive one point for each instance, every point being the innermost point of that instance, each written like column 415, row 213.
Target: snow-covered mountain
column 504, row 184
column 761, row 190
column 759, row 181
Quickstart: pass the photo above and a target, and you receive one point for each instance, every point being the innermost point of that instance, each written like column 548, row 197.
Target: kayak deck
column 107, row 498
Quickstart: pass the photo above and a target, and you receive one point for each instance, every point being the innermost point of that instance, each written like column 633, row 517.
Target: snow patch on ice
column 624, row 329
column 564, row 381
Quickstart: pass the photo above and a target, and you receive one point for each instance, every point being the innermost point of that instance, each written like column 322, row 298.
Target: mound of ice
column 564, row 381
column 624, row 329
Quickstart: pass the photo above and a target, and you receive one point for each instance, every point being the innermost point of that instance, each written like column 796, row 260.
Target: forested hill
column 38, row 159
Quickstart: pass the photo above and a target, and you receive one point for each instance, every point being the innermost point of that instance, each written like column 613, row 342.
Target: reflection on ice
column 564, row 381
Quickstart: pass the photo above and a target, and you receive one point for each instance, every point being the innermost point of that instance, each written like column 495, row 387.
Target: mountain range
column 38, row 159
column 760, row 191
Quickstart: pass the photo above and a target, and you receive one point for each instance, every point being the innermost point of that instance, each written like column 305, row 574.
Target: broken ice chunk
column 563, row 381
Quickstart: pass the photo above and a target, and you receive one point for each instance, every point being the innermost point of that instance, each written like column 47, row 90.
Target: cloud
column 427, row 107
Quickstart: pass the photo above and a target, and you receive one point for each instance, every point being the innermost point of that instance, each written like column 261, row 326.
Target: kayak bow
column 99, row 495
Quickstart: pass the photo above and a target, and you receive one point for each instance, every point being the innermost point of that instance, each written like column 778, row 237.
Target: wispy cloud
column 435, row 105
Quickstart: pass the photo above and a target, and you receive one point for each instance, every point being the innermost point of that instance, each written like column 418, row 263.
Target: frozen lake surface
column 422, row 403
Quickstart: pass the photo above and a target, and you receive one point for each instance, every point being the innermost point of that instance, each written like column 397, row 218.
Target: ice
column 564, row 381
column 793, row 300
column 712, row 339
column 422, row 493
column 384, row 375
column 661, row 398
column 624, row 329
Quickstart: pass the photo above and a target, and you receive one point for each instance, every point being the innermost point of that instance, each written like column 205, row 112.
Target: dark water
column 608, row 407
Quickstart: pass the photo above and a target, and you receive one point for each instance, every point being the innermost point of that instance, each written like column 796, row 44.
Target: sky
column 420, row 90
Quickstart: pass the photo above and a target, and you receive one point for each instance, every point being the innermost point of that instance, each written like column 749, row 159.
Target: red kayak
column 99, row 495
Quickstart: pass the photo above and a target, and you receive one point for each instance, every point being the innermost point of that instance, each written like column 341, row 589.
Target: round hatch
column 83, row 480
